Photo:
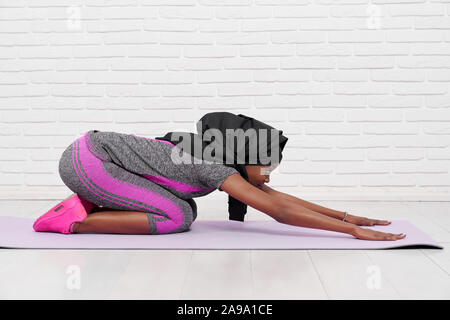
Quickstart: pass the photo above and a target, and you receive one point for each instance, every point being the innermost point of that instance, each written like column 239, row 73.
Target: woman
column 127, row 184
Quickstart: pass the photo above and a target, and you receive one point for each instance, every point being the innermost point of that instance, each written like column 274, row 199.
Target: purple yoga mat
column 211, row 234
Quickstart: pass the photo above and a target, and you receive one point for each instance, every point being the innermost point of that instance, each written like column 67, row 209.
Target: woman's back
column 152, row 159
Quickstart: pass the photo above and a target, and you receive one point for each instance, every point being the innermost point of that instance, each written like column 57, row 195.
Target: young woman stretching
column 126, row 184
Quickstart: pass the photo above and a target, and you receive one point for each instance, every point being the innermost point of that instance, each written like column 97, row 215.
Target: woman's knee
column 193, row 207
column 68, row 174
column 65, row 166
column 189, row 209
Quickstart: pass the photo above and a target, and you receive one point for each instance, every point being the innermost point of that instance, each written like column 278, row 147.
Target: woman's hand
column 367, row 234
column 363, row 221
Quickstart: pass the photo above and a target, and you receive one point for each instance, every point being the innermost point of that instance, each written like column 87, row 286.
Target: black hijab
column 220, row 121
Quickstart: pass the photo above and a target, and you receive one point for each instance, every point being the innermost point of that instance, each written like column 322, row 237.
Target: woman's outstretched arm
column 312, row 206
column 360, row 221
column 292, row 213
column 283, row 211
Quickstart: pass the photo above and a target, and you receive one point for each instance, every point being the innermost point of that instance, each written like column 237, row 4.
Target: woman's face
column 258, row 175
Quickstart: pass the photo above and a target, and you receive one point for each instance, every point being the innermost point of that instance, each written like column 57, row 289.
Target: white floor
column 237, row 274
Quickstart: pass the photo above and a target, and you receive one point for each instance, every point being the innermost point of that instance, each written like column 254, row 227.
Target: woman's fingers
column 377, row 235
column 383, row 235
column 382, row 222
column 369, row 234
column 363, row 221
column 391, row 236
column 372, row 222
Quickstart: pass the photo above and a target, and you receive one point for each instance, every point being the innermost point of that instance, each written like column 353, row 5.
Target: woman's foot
column 61, row 217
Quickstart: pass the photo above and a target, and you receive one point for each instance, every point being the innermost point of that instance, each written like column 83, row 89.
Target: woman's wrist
column 353, row 230
column 342, row 215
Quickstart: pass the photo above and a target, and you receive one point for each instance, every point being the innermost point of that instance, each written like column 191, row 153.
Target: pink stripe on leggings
column 89, row 186
column 176, row 185
column 97, row 173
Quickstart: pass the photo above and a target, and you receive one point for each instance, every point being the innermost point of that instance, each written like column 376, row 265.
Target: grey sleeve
column 213, row 175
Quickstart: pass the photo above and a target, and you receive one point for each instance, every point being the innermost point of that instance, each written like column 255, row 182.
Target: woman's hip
column 107, row 184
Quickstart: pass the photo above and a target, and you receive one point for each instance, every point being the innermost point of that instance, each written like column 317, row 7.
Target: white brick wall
column 360, row 87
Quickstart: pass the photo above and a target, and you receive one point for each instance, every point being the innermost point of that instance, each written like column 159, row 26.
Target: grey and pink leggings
column 106, row 184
